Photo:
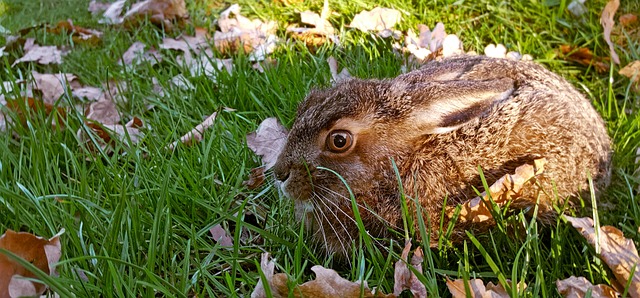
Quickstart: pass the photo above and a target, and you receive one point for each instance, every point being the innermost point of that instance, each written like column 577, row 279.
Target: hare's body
column 438, row 124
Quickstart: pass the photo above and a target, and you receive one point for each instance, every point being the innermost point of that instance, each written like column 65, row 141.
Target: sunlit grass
column 137, row 224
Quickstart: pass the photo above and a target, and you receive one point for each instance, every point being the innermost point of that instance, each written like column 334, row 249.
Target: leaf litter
column 42, row 253
column 618, row 252
column 478, row 289
column 328, row 283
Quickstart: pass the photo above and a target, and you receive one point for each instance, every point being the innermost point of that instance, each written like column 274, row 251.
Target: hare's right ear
column 441, row 107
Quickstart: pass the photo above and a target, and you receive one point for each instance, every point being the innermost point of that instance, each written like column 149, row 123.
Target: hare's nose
column 281, row 174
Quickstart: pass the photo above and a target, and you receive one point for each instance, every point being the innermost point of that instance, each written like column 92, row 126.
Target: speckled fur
column 542, row 116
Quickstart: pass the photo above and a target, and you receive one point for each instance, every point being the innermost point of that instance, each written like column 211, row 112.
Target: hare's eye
column 339, row 141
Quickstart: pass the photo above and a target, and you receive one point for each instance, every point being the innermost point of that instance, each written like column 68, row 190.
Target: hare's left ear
column 444, row 106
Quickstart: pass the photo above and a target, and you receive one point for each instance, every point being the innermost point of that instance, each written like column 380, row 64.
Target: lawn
column 137, row 220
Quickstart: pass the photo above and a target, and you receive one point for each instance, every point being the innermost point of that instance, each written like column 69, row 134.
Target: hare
column 437, row 124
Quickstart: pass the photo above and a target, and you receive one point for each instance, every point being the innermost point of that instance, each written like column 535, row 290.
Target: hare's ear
column 441, row 107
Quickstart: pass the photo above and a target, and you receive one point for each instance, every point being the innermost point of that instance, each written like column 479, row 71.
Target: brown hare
column 438, row 124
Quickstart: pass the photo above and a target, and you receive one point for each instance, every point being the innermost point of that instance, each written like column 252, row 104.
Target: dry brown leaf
column 627, row 20
column 606, row 19
column 321, row 29
column 51, row 86
column 268, row 141
column 256, row 178
column 404, row 278
column 268, row 267
column 24, row 108
column 103, row 111
column 478, row 289
column 583, row 56
column 89, row 93
column 326, row 284
column 253, row 37
column 106, row 136
column 577, row 287
column 136, row 55
column 427, row 44
column 162, row 13
column 42, row 253
column 196, row 134
column 335, row 75
column 377, row 19
column 186, row 43
column 96, row 7
column 205, row 64
column 78, row 34
column 41, row 54
column 631, row 71
column 181, row 82
column 113, row 12
column 221, row 236
column 618, row 252
column 478, row 209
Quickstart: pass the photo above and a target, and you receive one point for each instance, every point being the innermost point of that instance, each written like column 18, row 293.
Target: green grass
column 137, row 224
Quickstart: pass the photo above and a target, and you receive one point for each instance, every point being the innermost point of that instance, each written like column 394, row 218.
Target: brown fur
column 438, row 123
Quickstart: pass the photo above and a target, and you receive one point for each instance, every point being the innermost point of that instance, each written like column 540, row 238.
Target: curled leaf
column 618, row 252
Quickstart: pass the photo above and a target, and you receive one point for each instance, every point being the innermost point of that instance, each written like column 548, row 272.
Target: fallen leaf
column 78, row 34
column 335, row 75
column 107, row 136
column 577, row 287
column 627, row 20
column 113, row 12
column 186, row 43
column 326, row 284
column 478, row 289
column 252, row 37
column 268, row 141
column 221, row 236
column 205, row 64
column 256, row 178
column 404, row 278
column 136, row 55
column 631, row 71
column 96, row 7
column 321, row 29
column 427, row 44
column 104, row 110
column 506, row 189
column 87, row 92
column 23, row 109
column 606, row 19
column 41, row 54
column 618, row 252
column 181, row 82
column 160, row 12
column 377, row 19
column 52, row 86
column 40, row 252
column 196, row 134
column 268, row 268
column 583, row 56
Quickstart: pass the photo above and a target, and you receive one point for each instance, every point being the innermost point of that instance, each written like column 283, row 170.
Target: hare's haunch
column 438, row 124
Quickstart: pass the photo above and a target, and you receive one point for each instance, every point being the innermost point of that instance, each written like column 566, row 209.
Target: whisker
column 344, row 249
column 372, row 212
column 316, row 215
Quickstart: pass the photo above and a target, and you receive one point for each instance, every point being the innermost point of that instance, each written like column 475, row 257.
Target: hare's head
column 345, row 138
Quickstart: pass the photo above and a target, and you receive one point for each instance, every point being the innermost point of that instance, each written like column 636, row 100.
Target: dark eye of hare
column 339, row 141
